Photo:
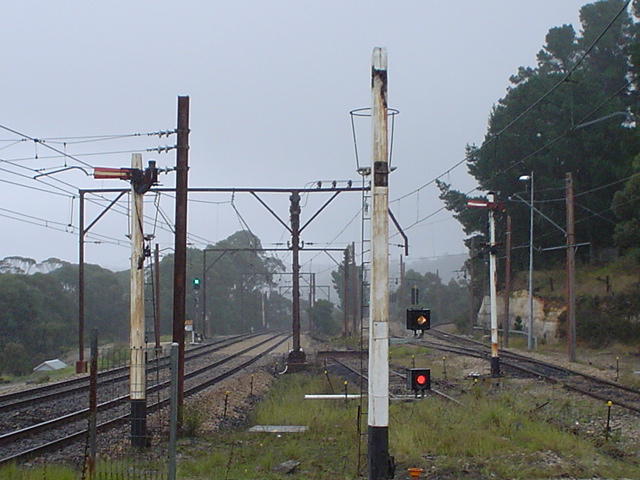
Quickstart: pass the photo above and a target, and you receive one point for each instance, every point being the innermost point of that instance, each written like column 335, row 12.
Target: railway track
column 27, row 407
column 585, row 384
column 59, row 389
column 63, row 430
column 396, row 388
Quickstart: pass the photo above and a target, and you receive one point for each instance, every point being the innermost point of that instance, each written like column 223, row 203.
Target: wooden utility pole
column 137, row 367
column 297, row 357
column 493, row 275
column 81, row 365
column 345, row 293
column 354, row 289
column 378, row 383
column 472, row 254
column 180, row 246
column 571, row 271
column 507, row 285
column 156, row 291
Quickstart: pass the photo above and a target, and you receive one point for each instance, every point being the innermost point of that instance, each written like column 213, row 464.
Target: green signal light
column 196, row 281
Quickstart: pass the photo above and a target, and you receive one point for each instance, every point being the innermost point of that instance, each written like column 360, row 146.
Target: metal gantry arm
column 81, row 365
column 401, row 232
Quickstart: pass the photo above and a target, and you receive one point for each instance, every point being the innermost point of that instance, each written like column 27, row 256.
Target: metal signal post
column 137, row 379
column 379, row 465
column 492, row 206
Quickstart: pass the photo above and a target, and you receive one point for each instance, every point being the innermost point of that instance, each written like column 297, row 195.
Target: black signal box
column 419, row 379
column 418, row 319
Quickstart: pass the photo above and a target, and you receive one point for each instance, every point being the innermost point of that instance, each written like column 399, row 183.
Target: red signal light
column 419, row 379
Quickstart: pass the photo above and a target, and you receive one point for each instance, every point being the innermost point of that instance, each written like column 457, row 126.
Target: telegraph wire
column 565, row 78
column 525, row 158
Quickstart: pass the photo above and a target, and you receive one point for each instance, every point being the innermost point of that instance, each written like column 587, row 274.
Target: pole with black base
column 379, row 465
column 137, row 379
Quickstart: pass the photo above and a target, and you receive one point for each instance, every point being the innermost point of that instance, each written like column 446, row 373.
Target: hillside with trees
column 574, row 112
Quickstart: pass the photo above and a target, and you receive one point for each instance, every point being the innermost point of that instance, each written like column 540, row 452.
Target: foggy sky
column 271, row 85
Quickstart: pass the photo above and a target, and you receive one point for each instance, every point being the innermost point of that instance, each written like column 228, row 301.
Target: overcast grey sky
column 271, row 85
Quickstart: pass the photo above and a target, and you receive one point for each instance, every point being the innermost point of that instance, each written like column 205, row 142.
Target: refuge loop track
column 585, row 384
column 62, row 431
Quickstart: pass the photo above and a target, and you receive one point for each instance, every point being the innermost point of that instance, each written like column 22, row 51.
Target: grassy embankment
column 502, row 436
column 522, row 430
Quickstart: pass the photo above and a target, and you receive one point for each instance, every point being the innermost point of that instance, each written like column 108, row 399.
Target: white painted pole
column 495, row 359
column 137, row 380
column 378, row 412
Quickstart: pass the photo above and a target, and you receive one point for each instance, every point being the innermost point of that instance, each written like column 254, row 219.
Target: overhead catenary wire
column 525, row 158
column 528, row 109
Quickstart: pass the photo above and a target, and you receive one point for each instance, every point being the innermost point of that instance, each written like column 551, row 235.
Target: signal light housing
column 419, row 379
column 196, row 284
column 418, row 319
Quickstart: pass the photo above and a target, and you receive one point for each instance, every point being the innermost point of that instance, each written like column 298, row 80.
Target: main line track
column 69, row 428
column 32, row 396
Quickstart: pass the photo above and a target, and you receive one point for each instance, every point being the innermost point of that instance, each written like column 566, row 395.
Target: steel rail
column 401, row 375
column 544, row 363
column 79, row 414
column 512, row 357
column 56, row 444
column 151, row 368
column 105, row 373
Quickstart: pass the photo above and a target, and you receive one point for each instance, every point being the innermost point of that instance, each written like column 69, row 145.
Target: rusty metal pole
column 296, row 355
column 205, row 326
column 378, row 383
column 493, row 275
column 571, row 271
column 353, row 287
column 180, row 247
column 156, row 291
column 507, row 285
column 93, row 402
column 137, row 367
column 81, row 366
column 345, row 293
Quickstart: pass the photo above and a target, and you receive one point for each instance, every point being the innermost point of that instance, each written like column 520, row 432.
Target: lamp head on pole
column 524, row 178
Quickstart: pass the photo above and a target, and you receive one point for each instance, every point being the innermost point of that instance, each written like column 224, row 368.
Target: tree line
column 39, row 313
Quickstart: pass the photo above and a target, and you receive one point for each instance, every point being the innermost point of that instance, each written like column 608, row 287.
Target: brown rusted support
column 93, row 403
column 296, row 356
column 156, row 291
column 345, row 293
column 507, row 285
column 571, row 271
column 180, row 248
column 81, row 366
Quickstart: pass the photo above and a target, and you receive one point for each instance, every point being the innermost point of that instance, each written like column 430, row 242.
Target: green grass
column 327, row 449
column 53, row 472
column 520, row 431
column 499, row 434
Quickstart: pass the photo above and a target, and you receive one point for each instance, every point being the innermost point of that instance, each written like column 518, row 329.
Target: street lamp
column 529, row 178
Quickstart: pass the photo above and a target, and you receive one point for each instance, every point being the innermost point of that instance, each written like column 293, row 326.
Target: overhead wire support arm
column 401, row 232
column 541, row 214
column 106, row 209
column 319, row 210
column 271, row 210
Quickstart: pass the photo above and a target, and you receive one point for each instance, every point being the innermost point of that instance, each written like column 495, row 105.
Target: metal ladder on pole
column 365, row 283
